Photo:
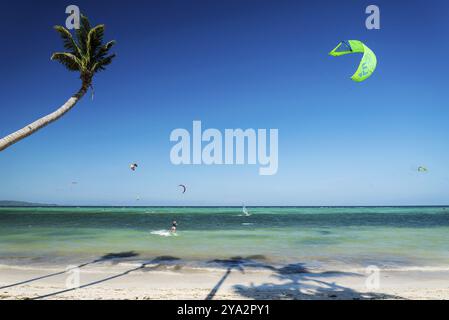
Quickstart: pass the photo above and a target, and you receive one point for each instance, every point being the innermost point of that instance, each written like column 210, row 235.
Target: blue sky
column 231, row 64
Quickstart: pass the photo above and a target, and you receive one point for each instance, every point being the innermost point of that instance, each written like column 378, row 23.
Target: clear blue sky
column 231, row 64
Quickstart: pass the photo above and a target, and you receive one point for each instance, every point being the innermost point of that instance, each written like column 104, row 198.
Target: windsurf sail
column 245, row 211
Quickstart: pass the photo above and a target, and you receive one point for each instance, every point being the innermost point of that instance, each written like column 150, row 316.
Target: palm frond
column 69, row 42
column 94, row 40
column 82, row 33
column 87, row 54
column 101, row 64
column 104, row 50
column 70, row 61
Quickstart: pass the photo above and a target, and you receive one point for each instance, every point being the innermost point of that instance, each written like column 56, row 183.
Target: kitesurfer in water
column 173, row 226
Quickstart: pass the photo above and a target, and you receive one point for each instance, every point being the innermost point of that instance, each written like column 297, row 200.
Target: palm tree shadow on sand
column 113, row 257
column 231, row 264
column 153, row 264
column 297, row 282
column 239, row 264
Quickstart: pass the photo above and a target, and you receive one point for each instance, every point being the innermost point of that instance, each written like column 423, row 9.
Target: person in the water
column 173, row 226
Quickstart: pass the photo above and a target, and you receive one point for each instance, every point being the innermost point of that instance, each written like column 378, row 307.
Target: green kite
column 422, row 169
column 367, row 64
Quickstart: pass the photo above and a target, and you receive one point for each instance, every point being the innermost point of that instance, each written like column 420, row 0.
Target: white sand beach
column 156, row 281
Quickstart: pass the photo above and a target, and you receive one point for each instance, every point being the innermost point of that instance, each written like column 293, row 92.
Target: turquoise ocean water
column 396, row 237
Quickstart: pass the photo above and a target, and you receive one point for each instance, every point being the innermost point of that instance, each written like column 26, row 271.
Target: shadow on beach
column 151, row 265
column 298, row 283
column 113, row 257
column 294, row 281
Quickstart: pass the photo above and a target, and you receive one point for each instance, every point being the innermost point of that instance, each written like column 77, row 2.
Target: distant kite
column 183, row 187
column 422, row 169
column 133, row 167
column 367, row 64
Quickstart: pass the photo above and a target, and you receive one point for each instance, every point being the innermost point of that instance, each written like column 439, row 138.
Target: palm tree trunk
column 44, row 121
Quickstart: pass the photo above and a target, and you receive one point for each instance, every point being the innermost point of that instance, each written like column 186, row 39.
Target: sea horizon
column 226, row 206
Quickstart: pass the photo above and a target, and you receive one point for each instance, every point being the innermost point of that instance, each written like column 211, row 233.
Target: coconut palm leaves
column 86, row 54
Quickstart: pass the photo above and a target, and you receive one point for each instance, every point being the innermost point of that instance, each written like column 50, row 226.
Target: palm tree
column 86, row 55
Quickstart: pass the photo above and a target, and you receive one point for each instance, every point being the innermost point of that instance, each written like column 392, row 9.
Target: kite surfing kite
column 184, row 188
column 422, row 169
column 367, row 64
column 133, row 167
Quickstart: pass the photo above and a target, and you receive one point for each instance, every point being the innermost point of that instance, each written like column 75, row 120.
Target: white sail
column 245, row 211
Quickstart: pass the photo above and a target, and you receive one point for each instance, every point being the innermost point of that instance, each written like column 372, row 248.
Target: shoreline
column 217, row 265
column 232, row 280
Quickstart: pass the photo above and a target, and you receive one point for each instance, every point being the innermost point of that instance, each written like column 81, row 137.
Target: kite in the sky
column 422, row 169
column 367, row 64
column 133, row 167
column 184, row 188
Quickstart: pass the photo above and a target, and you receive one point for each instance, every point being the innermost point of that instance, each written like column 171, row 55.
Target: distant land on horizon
column 10, row 203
